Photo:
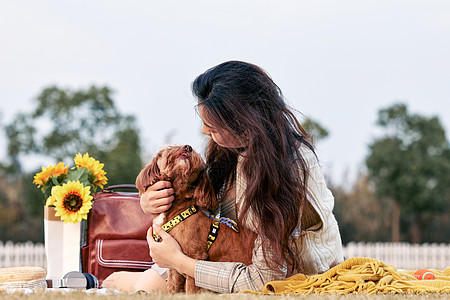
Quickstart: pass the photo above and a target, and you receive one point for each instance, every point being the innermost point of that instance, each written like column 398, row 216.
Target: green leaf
column 48, row 190
column 55, row 180
column 81, row 175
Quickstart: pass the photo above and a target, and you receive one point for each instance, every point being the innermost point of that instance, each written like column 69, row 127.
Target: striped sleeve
column 229, row 277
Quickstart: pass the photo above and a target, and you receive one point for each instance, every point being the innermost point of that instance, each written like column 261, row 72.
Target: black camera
column 74, row 280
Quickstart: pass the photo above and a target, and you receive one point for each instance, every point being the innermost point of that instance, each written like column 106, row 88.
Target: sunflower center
column 73, row 202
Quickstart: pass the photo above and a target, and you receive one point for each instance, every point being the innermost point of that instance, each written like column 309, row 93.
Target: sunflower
column 94, row 167
column 50, row 201
column 42, row 179
column 72, row 201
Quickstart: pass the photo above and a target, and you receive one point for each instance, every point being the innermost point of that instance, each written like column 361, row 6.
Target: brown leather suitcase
column 115, row 233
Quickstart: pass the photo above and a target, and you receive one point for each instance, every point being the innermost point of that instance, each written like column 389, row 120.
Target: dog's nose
column 187, row 148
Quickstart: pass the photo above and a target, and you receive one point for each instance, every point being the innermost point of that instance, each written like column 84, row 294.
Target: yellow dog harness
column 213, row 231
column 175, row 221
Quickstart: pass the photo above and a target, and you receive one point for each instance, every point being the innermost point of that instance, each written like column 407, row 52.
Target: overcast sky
column 338, row 62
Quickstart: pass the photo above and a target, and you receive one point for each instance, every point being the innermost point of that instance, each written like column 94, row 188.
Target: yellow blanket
column 361, row 275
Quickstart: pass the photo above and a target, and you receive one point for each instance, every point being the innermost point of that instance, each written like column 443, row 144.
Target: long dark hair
column 243, row 100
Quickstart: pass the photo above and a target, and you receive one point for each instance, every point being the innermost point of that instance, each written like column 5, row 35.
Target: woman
column 266, row 176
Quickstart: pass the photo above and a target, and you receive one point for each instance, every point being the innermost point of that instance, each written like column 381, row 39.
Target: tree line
column 404, row 193
column 401, row 194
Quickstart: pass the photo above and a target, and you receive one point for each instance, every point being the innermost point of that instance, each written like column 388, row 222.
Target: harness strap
column 212, row 235
column 175, row 221
column 213, row 231
column 227, row 221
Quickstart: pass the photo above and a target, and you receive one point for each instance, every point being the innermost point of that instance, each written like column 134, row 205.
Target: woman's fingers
column 160, row 185
column 161, row 209
column 159, row 231
column 150, row 238
column 163, row 251
column 158, row 198
column 162, row 204
column 165, row 193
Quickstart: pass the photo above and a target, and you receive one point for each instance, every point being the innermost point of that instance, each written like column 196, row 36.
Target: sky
column 337, row 62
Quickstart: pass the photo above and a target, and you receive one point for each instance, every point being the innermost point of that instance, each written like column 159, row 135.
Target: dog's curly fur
column 186, row 170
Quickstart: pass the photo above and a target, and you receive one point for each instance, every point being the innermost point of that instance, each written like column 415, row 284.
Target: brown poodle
column 186, row 170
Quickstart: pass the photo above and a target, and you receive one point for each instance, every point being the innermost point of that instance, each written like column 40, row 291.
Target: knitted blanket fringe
column 359, row 275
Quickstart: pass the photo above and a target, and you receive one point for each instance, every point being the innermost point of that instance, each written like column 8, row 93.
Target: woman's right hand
column 158, row 198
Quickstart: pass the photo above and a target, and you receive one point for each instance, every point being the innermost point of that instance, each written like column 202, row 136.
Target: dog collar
column 175, row 221
column 227, row 221
column 214, row 229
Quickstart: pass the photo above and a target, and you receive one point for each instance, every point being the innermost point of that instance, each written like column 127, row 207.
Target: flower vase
column 62, row 245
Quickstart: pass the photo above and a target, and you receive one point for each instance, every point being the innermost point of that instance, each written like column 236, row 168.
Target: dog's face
column 183, row 167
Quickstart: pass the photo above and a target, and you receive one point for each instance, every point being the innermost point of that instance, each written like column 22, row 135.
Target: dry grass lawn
column 77, row 295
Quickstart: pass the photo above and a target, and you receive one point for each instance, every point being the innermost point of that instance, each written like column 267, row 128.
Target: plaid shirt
column 320, row 245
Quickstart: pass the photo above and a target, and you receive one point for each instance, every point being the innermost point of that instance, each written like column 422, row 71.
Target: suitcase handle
column 111, row 188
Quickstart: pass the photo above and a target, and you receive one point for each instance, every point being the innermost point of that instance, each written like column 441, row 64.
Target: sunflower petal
column 72, row 201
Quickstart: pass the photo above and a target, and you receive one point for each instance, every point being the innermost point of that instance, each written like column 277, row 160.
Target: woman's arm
column 229, row 277
column 168, row 253
column 221, row 277
column 320, row 245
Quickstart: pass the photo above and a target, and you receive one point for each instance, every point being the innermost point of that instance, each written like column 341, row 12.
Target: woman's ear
column 204, row 195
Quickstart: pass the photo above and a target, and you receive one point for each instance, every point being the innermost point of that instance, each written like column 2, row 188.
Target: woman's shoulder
column 318, row 193
column 309, row 156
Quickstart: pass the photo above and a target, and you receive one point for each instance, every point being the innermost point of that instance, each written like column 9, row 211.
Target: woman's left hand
column 166, row 253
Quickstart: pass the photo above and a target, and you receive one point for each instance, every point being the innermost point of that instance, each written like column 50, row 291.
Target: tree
column 315, row 129
column 66, row 122
column 361, row 217
column 15, row 218
column 410, row 165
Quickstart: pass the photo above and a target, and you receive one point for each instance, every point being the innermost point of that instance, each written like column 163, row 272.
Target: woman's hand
column 168, row 253
column 158, row 198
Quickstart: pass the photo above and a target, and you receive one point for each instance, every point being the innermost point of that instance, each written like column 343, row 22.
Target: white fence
column 400, row 255
column 403, row 255
column 22, row 255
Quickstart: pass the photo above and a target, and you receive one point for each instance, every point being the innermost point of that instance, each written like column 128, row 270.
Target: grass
column 77, row 295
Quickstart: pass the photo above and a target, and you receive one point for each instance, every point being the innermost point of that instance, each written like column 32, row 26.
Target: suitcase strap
column 112, row 188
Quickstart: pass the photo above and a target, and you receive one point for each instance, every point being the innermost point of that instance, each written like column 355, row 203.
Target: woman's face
column 222, row 138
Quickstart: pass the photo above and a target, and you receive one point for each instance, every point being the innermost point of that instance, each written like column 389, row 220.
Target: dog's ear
column 154, row 172
column 204, row 193
column 141, row 180
column 148, row 176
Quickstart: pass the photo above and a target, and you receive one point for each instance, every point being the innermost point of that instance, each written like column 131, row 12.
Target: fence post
column 402, row 255
column 22, row 255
